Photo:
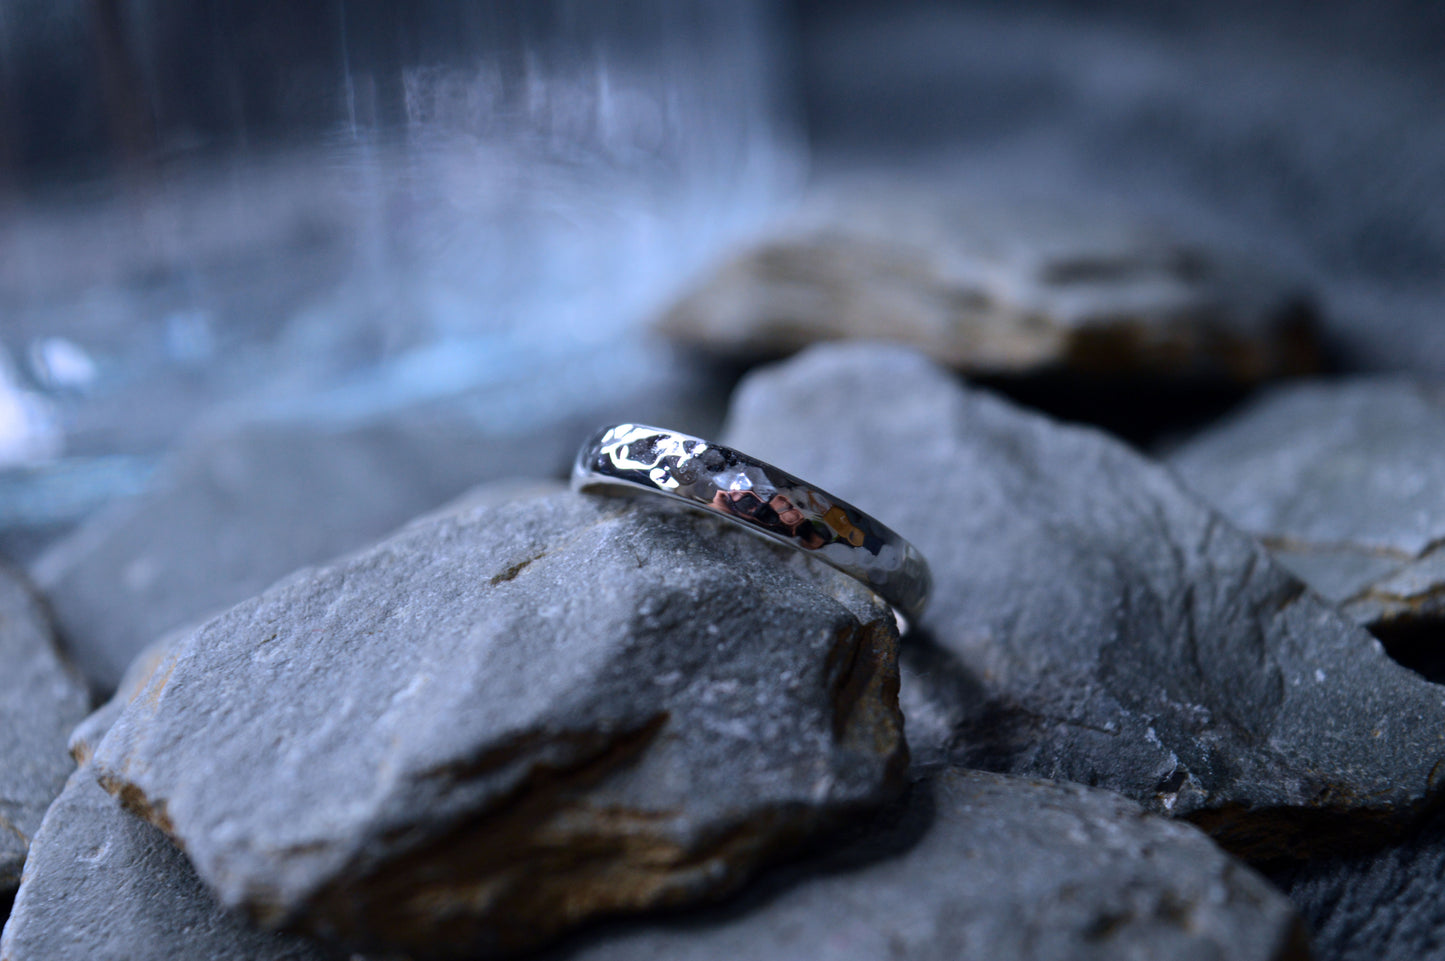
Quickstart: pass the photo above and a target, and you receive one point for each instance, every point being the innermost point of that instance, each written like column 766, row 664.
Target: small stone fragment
column 977, row 865
column 1094, row 621
column 511, row 718
column 240, row 505
column 1345, row 482
column 41, row 699
column 103, row 885
column 997, row 287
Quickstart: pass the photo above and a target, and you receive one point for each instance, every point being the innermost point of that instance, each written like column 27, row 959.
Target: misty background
column 324, row 211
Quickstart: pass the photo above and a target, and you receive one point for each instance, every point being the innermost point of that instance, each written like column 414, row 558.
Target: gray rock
column 513, row 717
column 103, row 885
column 41, row 698
column 1094, row 621
column 86, row 736
column 1250, row 123
column 1384, row 905
column 979, row 865
column 997, row 286
column 246, row 502
column 1345, row 481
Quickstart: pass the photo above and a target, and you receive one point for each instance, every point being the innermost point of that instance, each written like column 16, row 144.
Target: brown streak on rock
column 154, row 688
column 517, row 568
column 863, row 669
column 1280, row 542
column 546, row 860
column 508, row 879
column 134, row 800
column 1411, row 603
column 9, row 826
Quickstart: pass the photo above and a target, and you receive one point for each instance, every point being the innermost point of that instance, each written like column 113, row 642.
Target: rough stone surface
column 1386, row 905
column 41, row 698
column 86, row 736
column 977, row 865
column 1095, row 621
column 997, row 287
column 1345, row 481
column 510, row 718
column 103, row 885
column 242, row 504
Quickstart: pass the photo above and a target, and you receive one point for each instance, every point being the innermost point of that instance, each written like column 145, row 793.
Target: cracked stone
column 513, row 717
column 978, row 865
column 1345, row 481
column 998, row 286
column 41, row 699
column 1095, row 621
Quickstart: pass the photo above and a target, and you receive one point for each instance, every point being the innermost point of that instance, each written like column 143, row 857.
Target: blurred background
column 459, row 221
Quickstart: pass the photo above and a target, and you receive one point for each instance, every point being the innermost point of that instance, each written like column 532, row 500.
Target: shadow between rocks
column 1141, row 410
column 889, row 833
column 1417, row 643
column 936, row 693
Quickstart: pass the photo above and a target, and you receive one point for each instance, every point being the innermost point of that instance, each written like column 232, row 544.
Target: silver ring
column 760, row 498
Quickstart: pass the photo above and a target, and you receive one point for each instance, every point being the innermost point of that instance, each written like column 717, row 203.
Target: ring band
column 761, row 498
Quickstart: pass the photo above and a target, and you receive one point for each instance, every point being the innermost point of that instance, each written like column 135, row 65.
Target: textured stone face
column 511, row 718
column 1345, row 482
column 237, row 507
column 1380, row 905
column 40, row 700
column 995, row 287
column 86, row 736
column 979, row 865
column 103, row 885
column 1094, row 621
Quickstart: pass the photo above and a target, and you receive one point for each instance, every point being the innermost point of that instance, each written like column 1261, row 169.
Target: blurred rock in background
column 252, row 206
column 1307, row 134
column 244, row 500
column 1089, row 310
column 994, row 287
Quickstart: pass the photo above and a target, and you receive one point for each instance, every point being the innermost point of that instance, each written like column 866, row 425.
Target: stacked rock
column 1144, row 714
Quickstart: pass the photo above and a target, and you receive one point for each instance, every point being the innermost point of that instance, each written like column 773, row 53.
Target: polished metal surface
column 760, row 497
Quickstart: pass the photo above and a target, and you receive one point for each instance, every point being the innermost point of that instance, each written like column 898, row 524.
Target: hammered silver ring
column 760, row 498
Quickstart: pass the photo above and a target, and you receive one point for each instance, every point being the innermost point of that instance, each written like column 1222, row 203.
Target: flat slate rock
column 1094, row 621
column 247, row 500
column 41, row 699
column 103, row 885
column 997, row 286
column 1345, row 482
column 511, row 718
column 977, row 865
